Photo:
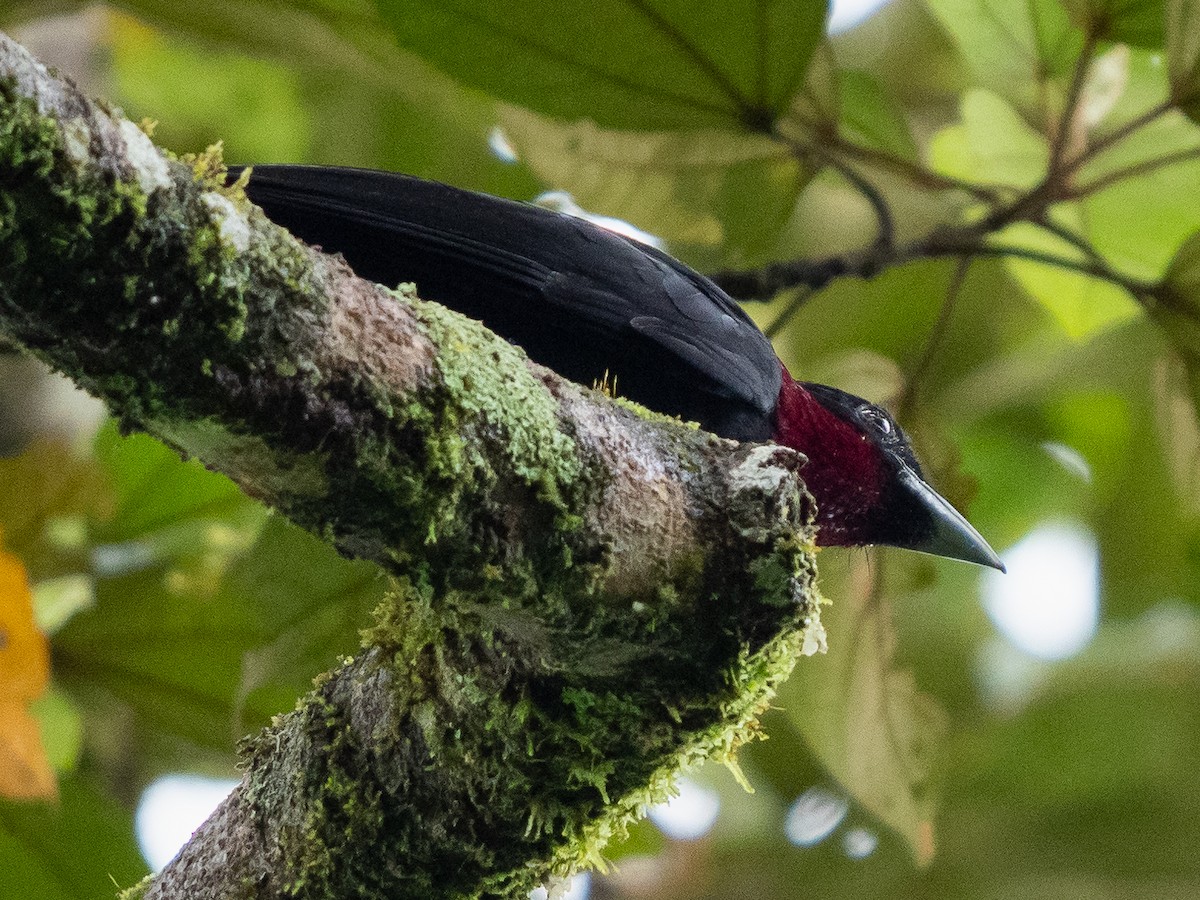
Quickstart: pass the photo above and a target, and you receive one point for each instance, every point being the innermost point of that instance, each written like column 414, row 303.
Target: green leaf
column 1136, row 22
column 816, row 106
column 992, row 145
column 254, row 105
column 685, row 187
column 622, row 64
column 1183, row 54
column 871, row 117
column 1142, row 213
column 875, row 732
column 1083, row 306
column 55, row 600
column 206, row 666
column 309, row 605
column 209, row 616
column 1178, row 309
column 1021, row 483
column 1012, row 47
column 49, row 494
column 1099, row 761
column 81, row 848
column 893, row 315
column 864, row 373
column 157, row 562
column 156, row 492
column 61, row 727
column 362, row 100
column 1183, row 275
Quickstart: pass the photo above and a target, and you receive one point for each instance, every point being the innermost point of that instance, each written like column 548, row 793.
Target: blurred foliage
column 25, row 770
column 181, row 615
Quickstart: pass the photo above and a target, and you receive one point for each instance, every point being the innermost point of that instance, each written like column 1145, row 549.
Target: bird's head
column 867, row 483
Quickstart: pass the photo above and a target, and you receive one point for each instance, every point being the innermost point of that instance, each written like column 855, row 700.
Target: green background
column 182, row 616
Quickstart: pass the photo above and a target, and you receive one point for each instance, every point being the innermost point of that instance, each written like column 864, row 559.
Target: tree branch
column 1145, row 167
column 907, row 400
column 970, row 238
column 965, row 240
column 587, row 597
column 1118, row 134
column 1061, row 139
column 916, row 174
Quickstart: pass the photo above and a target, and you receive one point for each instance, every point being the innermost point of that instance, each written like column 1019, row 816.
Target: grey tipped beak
column 950, row 535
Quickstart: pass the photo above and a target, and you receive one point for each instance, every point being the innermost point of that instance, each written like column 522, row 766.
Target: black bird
column 589, row 303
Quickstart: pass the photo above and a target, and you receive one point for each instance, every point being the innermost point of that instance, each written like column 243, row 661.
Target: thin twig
column 826, row 134
column 961, row 240
column 780, row 322
column 1132, row 171
column 761, row 285
column 1065, row 234
column 886, row 236
column 967, row 240
column 1058, row 145
column 917, row 173
column 1096, row 268
column 1028, row 207
column 1119, row 134
column 908, row 396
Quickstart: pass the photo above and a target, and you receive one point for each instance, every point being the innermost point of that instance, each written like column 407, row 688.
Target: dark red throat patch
column 845, row 471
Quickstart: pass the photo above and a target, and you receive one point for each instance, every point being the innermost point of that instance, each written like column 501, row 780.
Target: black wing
column 581, row 300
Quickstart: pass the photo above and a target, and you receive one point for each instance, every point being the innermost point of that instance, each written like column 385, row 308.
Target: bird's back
column 579, row 299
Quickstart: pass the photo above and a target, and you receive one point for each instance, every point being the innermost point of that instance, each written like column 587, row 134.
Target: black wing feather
column 582, row 300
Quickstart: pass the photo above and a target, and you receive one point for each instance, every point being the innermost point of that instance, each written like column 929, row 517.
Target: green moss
column 142, row 300
column 550, row 731
column 775, row 573
column 649, row 415
column 487, row 381
column 137, row 891
column 533, row 714
column 260, row 469
column 557, row 715
column 138, row 297
column 341, row 835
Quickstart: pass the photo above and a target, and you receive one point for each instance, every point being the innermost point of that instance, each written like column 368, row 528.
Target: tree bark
column 586, row 597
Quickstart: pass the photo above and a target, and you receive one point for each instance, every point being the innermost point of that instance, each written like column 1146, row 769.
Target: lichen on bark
column 586, row 599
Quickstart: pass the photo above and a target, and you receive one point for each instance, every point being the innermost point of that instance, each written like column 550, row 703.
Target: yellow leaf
column 25, row 772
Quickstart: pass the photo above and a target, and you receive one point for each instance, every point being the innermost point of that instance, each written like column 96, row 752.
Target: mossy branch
column 587, row 597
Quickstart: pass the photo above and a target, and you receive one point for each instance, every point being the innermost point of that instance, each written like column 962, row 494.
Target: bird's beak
column 947, row 534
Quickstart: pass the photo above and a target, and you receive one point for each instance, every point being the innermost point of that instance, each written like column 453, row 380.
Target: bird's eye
column 877, row 419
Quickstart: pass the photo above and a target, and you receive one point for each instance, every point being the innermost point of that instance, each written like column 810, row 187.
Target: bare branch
column 764, row 283
column 1095, row 266
column 1065, row 130
column 1080, row 243
column 780, row 322
column 912, row 385
column 915, row 173
column 1145, row 167
column 1134, row 125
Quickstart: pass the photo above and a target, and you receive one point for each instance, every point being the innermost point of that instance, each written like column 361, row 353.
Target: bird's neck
column 845, row 472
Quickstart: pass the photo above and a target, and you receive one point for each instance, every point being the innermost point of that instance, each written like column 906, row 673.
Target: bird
column 594, row 305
